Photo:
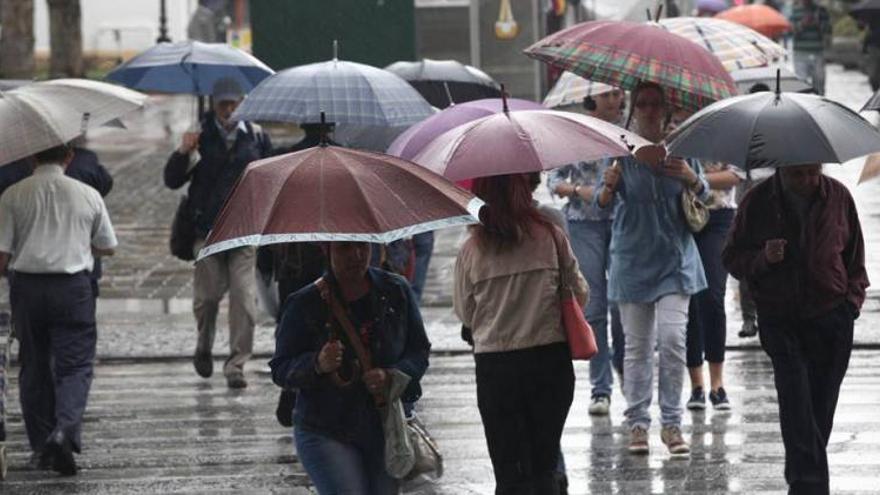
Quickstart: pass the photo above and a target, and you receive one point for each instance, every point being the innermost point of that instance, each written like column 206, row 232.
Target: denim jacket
column 398, row 340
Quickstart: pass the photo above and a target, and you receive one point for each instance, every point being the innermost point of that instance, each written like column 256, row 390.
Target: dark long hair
column 510, row 213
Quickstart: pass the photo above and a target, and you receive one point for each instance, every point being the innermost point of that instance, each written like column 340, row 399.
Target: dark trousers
column 707, row 321
column 524, row 397
column 810, row 358
column 54, row 317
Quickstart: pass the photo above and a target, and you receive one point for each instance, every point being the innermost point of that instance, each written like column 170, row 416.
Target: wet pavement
column 153, row 426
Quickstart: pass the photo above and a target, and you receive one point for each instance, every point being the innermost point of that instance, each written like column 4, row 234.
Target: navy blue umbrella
column 189, row 67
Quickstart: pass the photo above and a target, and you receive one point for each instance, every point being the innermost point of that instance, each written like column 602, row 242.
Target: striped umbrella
column 735, row 45
column 623, row 54
column 348, row 92
column 571, row 89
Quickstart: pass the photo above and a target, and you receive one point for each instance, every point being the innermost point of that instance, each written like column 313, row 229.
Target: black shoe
column 718, row 398
column 60, row 449
column 284, row 410
column 40, row 461
column 204, row 364
column 236, row 381
column 749, row 329
column 697, row 402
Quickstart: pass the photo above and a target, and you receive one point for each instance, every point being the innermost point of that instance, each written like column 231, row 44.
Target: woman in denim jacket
column 337, row 426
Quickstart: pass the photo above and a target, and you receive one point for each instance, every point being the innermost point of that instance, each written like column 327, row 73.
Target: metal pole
column 163, row 20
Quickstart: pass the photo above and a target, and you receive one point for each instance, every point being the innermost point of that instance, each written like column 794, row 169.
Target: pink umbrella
column 329, row 193
column 524, row 141
column 414, row 139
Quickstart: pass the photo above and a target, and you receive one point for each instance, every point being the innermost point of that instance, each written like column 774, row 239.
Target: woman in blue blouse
column 655, row 268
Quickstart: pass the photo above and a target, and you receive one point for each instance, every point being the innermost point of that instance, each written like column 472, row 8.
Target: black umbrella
column 866, row 10
column 774, row 130
column 444, row 82
column 873, row 103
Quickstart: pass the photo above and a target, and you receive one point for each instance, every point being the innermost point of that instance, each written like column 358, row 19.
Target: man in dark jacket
column 225, row 149
column 798, row 244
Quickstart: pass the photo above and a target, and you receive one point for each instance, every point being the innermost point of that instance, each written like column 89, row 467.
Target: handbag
column 409, row 449
column 580, row 336
column 696, row 214
column 183, row 232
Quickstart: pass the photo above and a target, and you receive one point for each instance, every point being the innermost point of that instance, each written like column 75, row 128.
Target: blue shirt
column 653, row 252
column 582, row 174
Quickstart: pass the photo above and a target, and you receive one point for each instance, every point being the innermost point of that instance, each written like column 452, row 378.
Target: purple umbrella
column 414, row 139
column 524, row 141
column 713, row 6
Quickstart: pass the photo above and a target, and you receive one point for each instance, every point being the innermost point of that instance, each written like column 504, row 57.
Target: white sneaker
column 600, row 405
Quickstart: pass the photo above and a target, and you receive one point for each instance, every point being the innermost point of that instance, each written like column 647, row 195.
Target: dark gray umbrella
column 444, row 82
column 774, row 130
column 873, row 103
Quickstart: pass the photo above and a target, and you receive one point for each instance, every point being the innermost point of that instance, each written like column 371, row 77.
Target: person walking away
column 798, row 243
column 590, row 230
column 225, row 148
column 506, row 291
column 812, row 34
column 337, row 426
column 707, row 319
column 51, row 229
column 655, row 269
column 871, row 50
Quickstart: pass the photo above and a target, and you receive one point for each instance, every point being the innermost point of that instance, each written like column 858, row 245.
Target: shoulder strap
column 339, row 315
column 563, row 279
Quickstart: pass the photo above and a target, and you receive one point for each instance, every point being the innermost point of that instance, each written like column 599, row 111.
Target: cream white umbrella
column 571, row 89
column 38, row 116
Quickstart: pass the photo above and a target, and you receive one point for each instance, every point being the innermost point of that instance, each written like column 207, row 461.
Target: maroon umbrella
column 329, row 193
column 623, row 54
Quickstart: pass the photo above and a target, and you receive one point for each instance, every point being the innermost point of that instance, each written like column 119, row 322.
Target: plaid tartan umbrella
column 348, row 92
column 623, row 54
column 735, row 45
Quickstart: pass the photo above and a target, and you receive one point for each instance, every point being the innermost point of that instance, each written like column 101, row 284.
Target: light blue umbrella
column 348, row 92
column 189, row 67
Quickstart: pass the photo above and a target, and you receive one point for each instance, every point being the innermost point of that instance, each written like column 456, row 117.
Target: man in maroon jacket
column 798, row 244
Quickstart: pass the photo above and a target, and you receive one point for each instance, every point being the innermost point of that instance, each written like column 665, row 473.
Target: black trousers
column 810, row 358
column 524, row 397
column 54, row 317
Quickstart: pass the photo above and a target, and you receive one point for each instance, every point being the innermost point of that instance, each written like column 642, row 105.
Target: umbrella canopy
column 873, row 103
column 524, row 141
column 788, row 82
column 763, row 19
column 443, row 82
column 414, row 140
column 774, row 130
column 329, row 193
column 348, row 92
column 39, row 116
column 571, row 89
column 866, row 10
column 713, row 6
column 624, row 54
column 736, row 46
column 189, row 67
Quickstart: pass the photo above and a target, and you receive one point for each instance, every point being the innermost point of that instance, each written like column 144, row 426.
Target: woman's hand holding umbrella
column 611, row 178
column 677, row 168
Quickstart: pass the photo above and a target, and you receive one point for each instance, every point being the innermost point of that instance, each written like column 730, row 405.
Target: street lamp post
column 163, row 20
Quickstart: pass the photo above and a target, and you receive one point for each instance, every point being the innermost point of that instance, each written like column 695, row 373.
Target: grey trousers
column 232, row 271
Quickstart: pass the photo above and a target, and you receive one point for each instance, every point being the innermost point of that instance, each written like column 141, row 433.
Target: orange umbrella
column 761, row 18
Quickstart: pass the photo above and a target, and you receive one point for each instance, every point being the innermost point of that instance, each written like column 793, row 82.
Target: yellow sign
column 506, row 27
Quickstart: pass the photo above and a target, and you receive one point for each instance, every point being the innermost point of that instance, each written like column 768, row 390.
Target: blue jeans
column 423, row 245
column 707, row 320
column 339, row 468
column 590, row 241
column 659, row 325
